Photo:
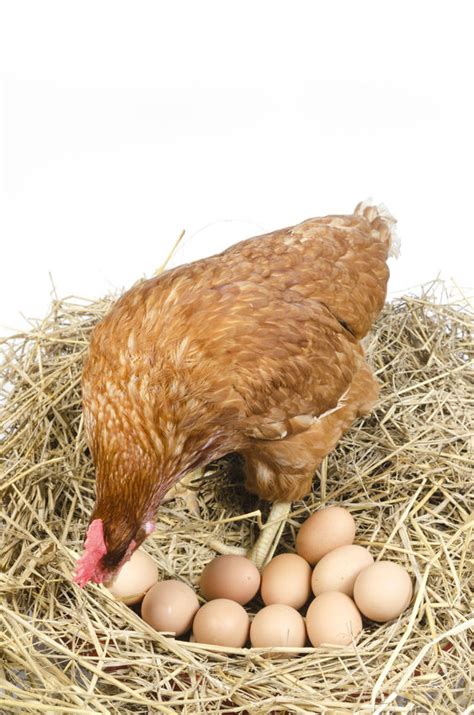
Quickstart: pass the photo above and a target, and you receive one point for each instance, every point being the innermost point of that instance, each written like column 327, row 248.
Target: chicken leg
column 264, row 548
column 186, row 491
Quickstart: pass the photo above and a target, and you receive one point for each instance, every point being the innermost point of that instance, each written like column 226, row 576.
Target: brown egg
column 278, row 625
column 221, row 622
column 383, row 591
column 170, row 606
column 233, row 577
column 135, row 578
column 287, row 580
column 338, row 570
column 333, row 618
column 323, row 532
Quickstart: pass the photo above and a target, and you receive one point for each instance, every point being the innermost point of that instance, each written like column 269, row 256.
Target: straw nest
column 404, row 472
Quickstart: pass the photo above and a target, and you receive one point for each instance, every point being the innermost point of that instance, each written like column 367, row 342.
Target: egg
column 286, row 579
column 332, row 618
column 278, row 625
column 323, row 532
column 338, row 570
column 135, row 578
column 221, row 622
column 170, row 606
column 383, row 591
column 232, row 577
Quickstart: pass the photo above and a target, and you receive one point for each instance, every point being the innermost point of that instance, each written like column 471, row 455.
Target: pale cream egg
column 338, row 570
column 170, row 606
column 286, row 579
column 221, row 622
column 278, row 625
column 333, row 619
column 383, row 591
column 324, row 531
column 135, row 578
column 233, row 577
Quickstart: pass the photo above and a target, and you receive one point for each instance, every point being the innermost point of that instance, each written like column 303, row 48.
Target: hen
column 255, row 350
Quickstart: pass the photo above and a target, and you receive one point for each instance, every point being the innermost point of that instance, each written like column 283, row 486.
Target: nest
column 404, row 472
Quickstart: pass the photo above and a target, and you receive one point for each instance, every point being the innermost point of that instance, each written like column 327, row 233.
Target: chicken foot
column 264, row 548
column 185, row 490
column 225, row 549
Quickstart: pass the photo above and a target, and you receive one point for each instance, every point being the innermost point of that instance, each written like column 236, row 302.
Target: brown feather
column 254, row 350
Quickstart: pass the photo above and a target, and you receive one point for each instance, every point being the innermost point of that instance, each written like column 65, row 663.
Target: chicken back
column 255, row 350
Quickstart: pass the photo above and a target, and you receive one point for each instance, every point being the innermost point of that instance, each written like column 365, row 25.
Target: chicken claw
column 264, row 548
column 186, row 491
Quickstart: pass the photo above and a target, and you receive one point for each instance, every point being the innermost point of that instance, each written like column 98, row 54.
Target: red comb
column 87, row 568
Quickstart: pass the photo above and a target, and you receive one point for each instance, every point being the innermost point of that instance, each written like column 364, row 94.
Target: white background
column 124, row 122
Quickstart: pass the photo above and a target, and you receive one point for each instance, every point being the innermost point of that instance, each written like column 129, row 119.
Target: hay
column 404, row 472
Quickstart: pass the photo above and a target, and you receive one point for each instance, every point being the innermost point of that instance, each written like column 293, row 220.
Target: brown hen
column 255, row 350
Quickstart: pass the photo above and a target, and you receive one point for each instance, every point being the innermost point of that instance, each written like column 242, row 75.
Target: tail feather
column 383, row 222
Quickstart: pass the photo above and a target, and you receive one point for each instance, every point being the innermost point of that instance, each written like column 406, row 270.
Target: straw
column 405, row 472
